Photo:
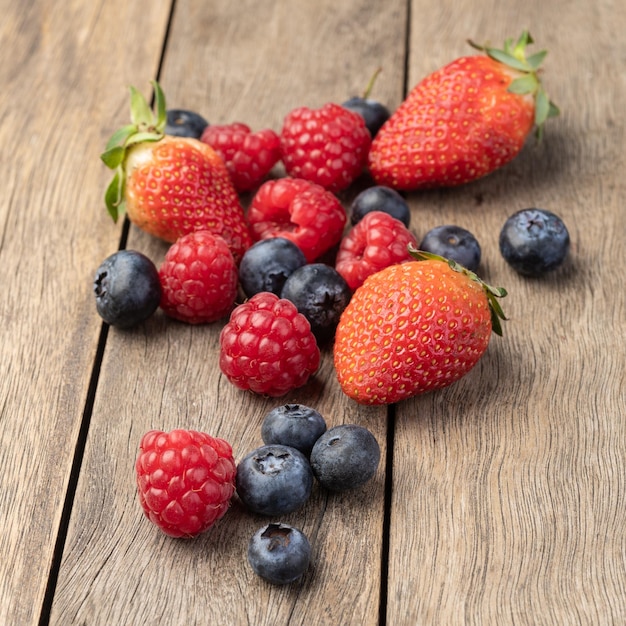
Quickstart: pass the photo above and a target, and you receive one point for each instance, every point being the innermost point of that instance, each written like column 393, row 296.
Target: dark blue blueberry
column 321, row 294
column 293, row 425
column 380, row 198
column 274, row 480
column 374, row 113
column 267, row 264
column 182, row 123
column 534, row 241
column 279, row 553
column 127, row 288
column 345, row 457
column 454, row 243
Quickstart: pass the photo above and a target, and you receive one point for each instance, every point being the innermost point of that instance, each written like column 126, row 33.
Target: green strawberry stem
column 145, row 126
column 513, row 55
column 492, row 293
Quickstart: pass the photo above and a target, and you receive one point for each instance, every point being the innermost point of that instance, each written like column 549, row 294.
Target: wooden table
column 500, row 500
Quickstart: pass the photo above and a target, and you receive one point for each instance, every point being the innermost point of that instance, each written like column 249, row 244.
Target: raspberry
column 198, row 278
column 328, row 146
column 249, row 157
column 299, row 210
column 267, row 346
column 375, row 242
column 185, row 480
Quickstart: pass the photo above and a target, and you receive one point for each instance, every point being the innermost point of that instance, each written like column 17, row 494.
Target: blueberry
column 534, row 241
column 345, row 457
column 293, row 425
column 380, row 198
column 182, row 123
column 267, row 264
column 127, row 288
column 274, row 480
column 454, row 243
column 279, row 553
column 373, row 112
column 321, row 294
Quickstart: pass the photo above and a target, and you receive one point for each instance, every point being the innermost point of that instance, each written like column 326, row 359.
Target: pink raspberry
column 267, row 346
column 375, row 242
column 299, row 210
column 185, row 480
column 328, row 146
column 198, row 278
column 249, row 157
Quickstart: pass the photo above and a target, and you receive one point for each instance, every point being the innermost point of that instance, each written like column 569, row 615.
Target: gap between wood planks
column 77, row 462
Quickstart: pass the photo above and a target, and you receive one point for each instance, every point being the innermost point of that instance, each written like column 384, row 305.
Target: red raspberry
column 249, row 157
column 328, row 146
column 299, row 210
column 198, row 278
column 185, row 480
column 375, row 242
column 267, row 346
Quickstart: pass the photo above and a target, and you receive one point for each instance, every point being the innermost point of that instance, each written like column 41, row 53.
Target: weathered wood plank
column 249, row 62
column 508, row 487
column 63, row 68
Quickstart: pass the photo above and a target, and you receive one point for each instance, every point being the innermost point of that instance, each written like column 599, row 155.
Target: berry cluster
column 296, row 271
column 277, row 478
column 186, row 480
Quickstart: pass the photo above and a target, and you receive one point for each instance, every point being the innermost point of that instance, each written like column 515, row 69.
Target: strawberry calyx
column 145, row 126
column 513, row 55
column 492, row 293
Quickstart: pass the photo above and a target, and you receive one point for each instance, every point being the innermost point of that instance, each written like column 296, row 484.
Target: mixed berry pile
column 297, row 270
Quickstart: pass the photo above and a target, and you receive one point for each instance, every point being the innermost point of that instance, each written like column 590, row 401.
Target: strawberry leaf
column 120, row 136
column 161, row 109
column 140, row 112
column 113, row 195
column 507, row 59
column 141, row 137
column 113, row 157
column 525, row 84
column 535, row 60
column 542, row 108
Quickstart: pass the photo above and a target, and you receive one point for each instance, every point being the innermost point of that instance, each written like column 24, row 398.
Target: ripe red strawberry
column 375, row 242
column 299, row 210
column 170, row 186
column 327, row 146
column 412, row 328
column 185, row 480
column 463, row 121
column 267, row 346
column 198, row 278
column 249, row 157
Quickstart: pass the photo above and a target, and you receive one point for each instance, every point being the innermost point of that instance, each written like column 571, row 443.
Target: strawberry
column 170, row 186
column 414, row 327
column 249, row 157
column 463, row 121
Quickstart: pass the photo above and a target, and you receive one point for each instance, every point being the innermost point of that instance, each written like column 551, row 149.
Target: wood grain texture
column 253, row 63
column 508, row 500
column 53, row 235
